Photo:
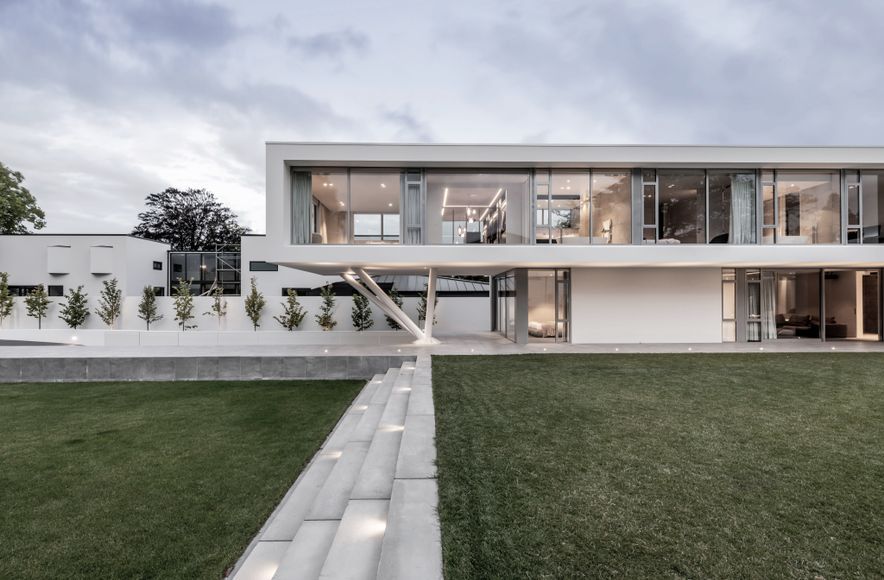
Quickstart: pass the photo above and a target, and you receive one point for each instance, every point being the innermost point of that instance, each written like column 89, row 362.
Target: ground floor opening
column 792, row 304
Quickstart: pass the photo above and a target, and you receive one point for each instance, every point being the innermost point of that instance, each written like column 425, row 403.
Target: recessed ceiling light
column 341, row 203
column 389, row 205
column 384, row 185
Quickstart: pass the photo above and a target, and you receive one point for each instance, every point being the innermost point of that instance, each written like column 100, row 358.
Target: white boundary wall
column 455, row 315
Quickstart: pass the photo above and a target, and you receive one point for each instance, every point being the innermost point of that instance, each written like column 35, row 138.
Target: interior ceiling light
column 383, row 186
column 390, row 204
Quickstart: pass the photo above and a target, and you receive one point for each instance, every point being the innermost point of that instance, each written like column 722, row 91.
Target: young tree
column 219, row 305
column 110, row 302
column 397, row 300
column 183, row 304
column 361, row 314
column 191, row 220
column 37, row 303
column 147, row 308
column 75, row 308
column 422, row 308
column 17, row 205
column 254, row 304
column 7, row 300
column 293, row 313
column 326, row 317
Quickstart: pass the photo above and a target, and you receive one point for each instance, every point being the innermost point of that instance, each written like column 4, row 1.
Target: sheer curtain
column 742, row 230
column 768, row 305
column 302, row 207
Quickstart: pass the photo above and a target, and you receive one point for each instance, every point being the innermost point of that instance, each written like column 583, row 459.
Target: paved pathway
column 480, row 343
column 365, row 507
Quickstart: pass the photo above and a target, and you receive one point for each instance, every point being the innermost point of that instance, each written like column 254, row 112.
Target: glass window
column 731, row 208
column 256, row 266
column 872, row 206
column 611, row 207
column 728, row 305
column 682, row 207
column 374, row 200
column 330, row 198
column 569, row 207
column 809, row 208
column 477, row 208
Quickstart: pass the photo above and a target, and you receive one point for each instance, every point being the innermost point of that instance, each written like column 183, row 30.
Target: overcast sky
column 102, row 103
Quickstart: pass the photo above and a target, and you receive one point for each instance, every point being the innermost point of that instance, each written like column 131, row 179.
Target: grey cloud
column 330, row 44
column 406, row 126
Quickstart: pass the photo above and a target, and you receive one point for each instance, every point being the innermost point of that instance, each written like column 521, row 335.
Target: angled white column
column 384, row 302
column 431, row 305
column 397, row 315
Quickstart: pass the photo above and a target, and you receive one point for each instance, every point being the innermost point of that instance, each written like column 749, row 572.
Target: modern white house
column 598, row 244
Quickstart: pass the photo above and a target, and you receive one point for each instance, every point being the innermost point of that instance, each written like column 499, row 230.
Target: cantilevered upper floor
column 488, row 208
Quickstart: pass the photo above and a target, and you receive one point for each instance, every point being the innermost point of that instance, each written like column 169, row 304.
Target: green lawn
column 150, row 480
column 661, row 466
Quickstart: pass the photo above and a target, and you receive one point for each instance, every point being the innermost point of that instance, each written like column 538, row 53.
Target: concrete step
column 375, row 480
column 386, row 386
column 356, row 548
column 412, row 546
column 287, row 518
column 306, row 554
column 417, row 452
column 262, row 562
column 330, row 502
column 367, row 392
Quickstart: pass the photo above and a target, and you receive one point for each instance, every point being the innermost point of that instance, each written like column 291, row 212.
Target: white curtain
column 412, row 209
column 742, row 229
column 302, row 207
column 768, row 305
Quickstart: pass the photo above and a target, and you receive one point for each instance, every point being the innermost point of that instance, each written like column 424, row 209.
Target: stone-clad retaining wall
column 20, row 370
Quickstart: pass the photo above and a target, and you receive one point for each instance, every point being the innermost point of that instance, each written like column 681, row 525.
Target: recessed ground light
column 689, row 348
column 833, row 348
column 760, row 348
column 616, row 350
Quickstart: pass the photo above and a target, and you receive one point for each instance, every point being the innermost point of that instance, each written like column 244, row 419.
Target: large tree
column 191, row 220
column 17, row 205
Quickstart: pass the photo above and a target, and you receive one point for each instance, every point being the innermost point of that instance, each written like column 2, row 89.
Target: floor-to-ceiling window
column 374, row 207
column 561, row 207
column 505, row 304
column 681, row 207
column 611, row 207
column 852, row 308
column 866, row 210
column 808, row 207
column 465, row 207
column 548, row 305
column 731, row 207
column 330, row 198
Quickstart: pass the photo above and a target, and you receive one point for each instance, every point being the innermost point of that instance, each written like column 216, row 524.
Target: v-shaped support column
column 369, row 288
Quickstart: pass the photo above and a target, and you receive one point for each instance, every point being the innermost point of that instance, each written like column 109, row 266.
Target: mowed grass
column 150, row 480
column 661, row 466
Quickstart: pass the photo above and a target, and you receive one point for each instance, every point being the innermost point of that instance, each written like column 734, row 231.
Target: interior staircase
column 365, row 506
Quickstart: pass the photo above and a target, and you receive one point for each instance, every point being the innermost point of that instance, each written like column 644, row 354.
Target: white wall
column 618, row 305
column 26, row 259
column 455, row 315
